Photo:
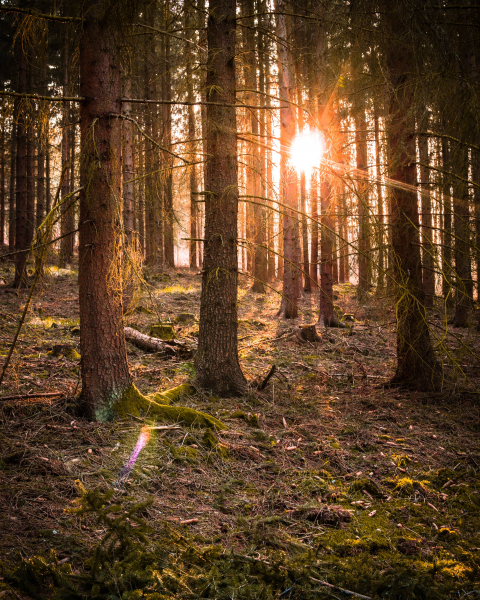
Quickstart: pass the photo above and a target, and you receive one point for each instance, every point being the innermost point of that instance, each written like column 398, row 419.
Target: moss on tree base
column 133, row 402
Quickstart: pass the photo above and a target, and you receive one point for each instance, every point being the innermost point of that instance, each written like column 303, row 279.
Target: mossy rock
column 365, row 484
column 134, row 403
column 162, row 331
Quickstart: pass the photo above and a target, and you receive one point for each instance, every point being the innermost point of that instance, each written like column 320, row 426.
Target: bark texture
column 288, row 177
column 105, row 375
column 416, row 363
column 216, row 361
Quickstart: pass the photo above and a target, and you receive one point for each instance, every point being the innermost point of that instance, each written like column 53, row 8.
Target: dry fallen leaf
column 284, row 423
column 372, row 514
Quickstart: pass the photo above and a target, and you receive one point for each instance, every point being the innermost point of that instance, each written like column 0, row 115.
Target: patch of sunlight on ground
column 58, row 272
column 49, row 321
column 177, row 289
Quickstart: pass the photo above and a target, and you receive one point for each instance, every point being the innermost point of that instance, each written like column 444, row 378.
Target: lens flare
column 307, row 150
column 143, row 439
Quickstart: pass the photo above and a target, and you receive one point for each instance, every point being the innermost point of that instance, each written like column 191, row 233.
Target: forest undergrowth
column 325, row 484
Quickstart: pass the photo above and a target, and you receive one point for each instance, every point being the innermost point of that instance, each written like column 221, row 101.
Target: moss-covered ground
column 325, row 485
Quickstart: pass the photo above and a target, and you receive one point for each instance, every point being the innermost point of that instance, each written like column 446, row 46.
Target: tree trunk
column 2, row 188
column 428, row 249
column 104, row 367
column 326, row 317
column 446, row 226
column 362, row 198
column 314, row 228
column 461, row 227
column 255, row 211
column 21, row 215
column 380, row 210
column 416, row 363
column 193, row 244
column 128, row 168
column 288, row 178
column 216, row 360
column 66, row 243
column 169, row 216
column 12, row 183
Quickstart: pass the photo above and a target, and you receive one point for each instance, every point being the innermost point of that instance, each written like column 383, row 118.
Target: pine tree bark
column 21, row 215
column 362, row 198
column 428, row 249
column 66, row 243
column 446, row 229
column 2, row 188
column 216, row 360
column 104, row 368
column 416, row 362
column 314, row 228
column 12, row 183
column 326, row 317
column 461, row 227
column 169, row 216
column 193, row 244
column 255, row 212
column 381, row 218
column 288, row 178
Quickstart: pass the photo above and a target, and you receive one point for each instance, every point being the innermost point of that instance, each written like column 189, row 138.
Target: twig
column 27, row 396
column 37, row 97
column 33, row 13
column 340, row 589
column 263, row 384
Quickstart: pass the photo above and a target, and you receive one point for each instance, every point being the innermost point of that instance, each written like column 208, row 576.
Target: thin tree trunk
column 104, row 367
column 461, row 227
column 66, row 243
column 193, row 244
column 446, row 226
column 21, row 215
column 362, row 198
column 288, row 178
column 216, row 360
column 428, row 248
column 255, row 212
column 128, row 168
column 169, row 217
column 380, row 209
column 12, row 184
column 2, row 188
column 344, row 274
column 314, row 228
column 326, row 317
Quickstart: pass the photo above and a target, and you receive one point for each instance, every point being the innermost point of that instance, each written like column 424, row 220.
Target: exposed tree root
column 159, row 405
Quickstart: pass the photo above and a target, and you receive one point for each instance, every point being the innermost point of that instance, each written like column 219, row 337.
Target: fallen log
column 151, row 344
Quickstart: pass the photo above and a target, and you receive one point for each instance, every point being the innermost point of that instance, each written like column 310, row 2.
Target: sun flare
column 307, row 150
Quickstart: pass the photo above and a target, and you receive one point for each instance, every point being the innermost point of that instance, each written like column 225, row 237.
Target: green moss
column 209, row 440
column 365, row 484
column 134, row 403
column 162, row 331
column 251, row 419
column 405, row 486
column 173, row 395
column 401, row 460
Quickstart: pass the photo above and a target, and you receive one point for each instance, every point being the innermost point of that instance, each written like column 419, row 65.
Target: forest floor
column 325, row 484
